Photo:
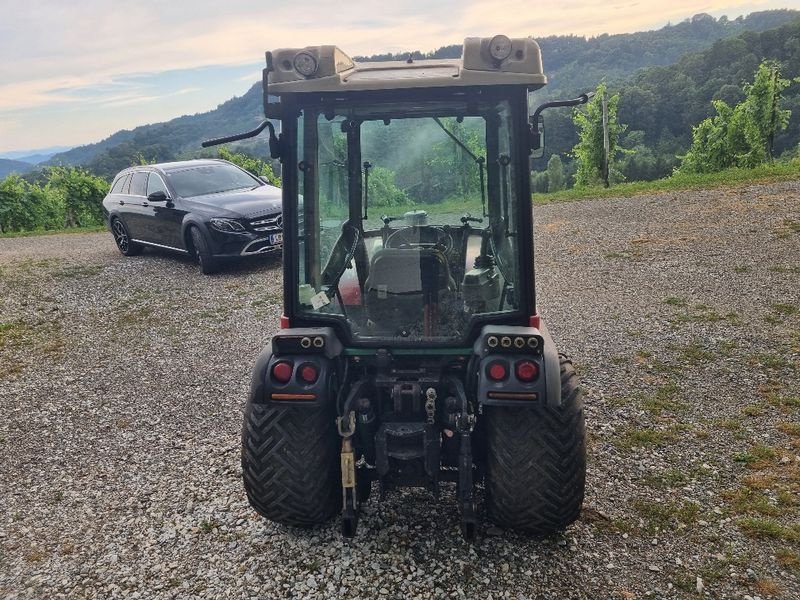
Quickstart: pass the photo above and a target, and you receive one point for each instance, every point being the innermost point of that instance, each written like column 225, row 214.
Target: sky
column 73, row 72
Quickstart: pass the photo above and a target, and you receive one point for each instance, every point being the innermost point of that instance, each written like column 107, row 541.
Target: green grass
column 777, row 171
column 768, row 528
column 37, row 232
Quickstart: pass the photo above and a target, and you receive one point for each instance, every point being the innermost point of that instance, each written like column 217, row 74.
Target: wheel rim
column 120, row 236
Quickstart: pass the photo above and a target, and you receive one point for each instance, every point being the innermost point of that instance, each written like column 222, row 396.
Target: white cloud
column 58, row 53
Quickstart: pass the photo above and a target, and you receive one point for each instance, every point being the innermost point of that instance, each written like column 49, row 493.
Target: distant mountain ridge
column 572, row 63
column 7, row 167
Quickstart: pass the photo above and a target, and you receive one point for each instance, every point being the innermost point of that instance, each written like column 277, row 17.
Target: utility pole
column 606, row 144
column 774, row 114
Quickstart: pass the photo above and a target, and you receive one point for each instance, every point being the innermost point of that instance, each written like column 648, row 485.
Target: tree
column 256, row 166
column 555, row 174
column 590, row 151
column 82, row 194
column 741, row 136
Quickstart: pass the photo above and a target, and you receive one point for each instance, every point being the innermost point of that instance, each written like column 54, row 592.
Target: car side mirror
column 264, row 179
column 159, row 196
column 537, row 138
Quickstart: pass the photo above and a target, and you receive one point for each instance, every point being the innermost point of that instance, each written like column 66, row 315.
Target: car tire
column 123, row 239
column 536, row 461
column 290, row 463
column 202, row 252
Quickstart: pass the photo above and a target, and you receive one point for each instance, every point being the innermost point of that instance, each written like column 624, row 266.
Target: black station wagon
column 209, row 209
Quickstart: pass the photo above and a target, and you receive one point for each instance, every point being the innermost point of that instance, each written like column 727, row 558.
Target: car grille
column 271, row 223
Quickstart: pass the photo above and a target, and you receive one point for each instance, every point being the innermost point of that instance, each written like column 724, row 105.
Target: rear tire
column 536, row 461
column 290, row 463
column 123, row 238
column 202, row 252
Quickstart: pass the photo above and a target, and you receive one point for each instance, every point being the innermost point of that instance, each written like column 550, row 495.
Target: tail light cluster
column 283, row 370
column 525, row 371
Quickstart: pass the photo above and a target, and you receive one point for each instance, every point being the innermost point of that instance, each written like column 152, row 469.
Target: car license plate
column 276, row 238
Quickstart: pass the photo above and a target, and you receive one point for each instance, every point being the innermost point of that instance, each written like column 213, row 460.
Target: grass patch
column 784, row 309
column 758, row 457
column 753, row 410
column 746, row 500
column 770, row 360
column 784, row 269
column 792, row 429
column 776, row 171
column 769, row 529
column 635, row 437
column 666, row 515
column 78, row 271
column 695, row 354
column 666, row 398
column 788, row 558
column 676, row 301
column 673, row 478
column 39, row 232
column 208, row 525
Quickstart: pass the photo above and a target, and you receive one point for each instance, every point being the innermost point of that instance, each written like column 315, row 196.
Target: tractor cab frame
column 411, row 352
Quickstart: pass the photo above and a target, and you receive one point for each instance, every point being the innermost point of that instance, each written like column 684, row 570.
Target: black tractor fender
column 552, row 368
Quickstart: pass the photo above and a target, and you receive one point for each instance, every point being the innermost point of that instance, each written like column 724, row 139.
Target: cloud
column 109, row 55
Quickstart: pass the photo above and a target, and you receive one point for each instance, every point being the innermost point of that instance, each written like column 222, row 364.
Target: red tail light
column 309, row 373
column 497, row 371
column 282, row 371
column 526, row 370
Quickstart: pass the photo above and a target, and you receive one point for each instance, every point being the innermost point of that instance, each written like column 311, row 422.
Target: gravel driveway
column 122, row 382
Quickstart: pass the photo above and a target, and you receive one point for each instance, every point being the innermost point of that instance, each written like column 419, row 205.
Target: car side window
column 139, row 183
column 117, row 187
column 156, row 184
column 126, row 184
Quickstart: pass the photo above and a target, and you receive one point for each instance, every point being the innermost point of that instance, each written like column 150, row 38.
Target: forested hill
column 572, row 64
column 575, row 62
column 13, row 166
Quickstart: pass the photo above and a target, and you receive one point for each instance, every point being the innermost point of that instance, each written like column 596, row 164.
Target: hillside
column 7, row 167
column 572, row 63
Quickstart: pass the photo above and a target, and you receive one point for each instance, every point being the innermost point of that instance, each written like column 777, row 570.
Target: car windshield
column 203, row 180
column 408, row 226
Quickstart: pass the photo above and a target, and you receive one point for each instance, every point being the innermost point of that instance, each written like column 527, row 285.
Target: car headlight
column 227, row 225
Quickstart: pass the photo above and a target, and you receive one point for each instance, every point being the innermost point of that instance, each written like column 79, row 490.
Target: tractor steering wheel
column 423, row 236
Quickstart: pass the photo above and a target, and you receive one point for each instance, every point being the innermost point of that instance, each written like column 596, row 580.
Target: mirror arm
column 275, row 142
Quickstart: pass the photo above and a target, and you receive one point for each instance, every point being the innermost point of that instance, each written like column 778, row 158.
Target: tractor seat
column 402, row 281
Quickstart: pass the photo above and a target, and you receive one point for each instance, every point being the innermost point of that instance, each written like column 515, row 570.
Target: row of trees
column 63, row 197
column 742, row 135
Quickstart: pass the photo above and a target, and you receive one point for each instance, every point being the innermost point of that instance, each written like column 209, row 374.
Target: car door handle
column 145, row 205
column 122, row 201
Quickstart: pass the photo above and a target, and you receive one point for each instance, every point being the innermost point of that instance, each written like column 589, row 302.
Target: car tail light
column 497, row 371
column 282, row 371
column 309, row 373
column 526, row 370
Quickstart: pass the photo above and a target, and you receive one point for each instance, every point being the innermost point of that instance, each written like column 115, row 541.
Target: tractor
column 410, row 351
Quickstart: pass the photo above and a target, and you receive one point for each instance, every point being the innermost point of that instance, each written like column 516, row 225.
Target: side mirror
column 159, row 196
column 537, row 138
column 264, row 179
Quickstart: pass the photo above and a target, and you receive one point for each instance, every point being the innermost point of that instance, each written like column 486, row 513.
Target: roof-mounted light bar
column 497, row 60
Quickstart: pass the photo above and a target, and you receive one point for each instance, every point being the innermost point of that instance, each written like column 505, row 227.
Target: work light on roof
column 305, row 64
column 500, row 47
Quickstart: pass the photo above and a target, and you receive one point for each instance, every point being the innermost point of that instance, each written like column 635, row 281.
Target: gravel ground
column 122, row 382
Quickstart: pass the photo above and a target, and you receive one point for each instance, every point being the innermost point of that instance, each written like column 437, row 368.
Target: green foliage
column 68, row 198
column 590, row 151
column 256, row 166
column 383, row 191
column 82, row 194
column 779, row 170
column 555, row 174
column 741, row 136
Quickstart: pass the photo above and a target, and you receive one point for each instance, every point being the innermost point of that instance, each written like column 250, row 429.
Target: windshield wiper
column 480, row 160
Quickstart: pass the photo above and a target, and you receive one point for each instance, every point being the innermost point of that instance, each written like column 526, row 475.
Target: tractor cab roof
column 484, row 61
